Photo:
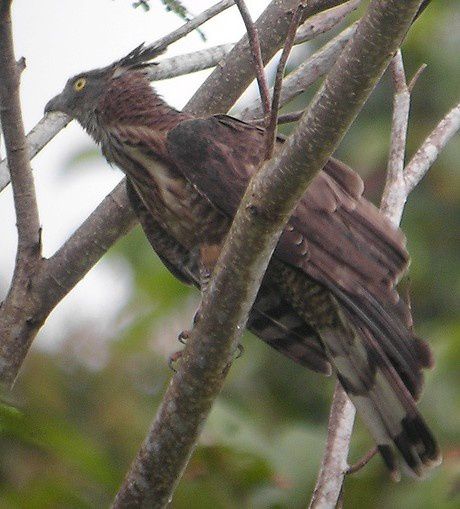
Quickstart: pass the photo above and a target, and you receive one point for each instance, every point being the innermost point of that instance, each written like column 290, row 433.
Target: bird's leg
column 207, row 258
column 206, row 255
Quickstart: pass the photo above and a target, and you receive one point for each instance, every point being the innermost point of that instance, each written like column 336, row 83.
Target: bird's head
column 82, row 93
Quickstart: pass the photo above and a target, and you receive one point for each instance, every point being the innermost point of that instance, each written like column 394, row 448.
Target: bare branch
column 356, row 467
column 270, row 135
column 324, row 21
column 188, row 63
column 415, row 78
column 254, row 43
column 266, row 206
column 431, row 147
column 27, row 221
column 56, row 276
column 334, row 466
column 393, row 197
column 316, row 66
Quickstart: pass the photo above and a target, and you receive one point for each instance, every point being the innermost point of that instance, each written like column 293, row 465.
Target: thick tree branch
column 16, row 149
column 265, row 208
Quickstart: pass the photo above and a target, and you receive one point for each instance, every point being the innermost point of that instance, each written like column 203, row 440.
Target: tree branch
column 325, row 21
column 266, row 206
column 334, row 464
column 270, row 135
column 425, row 156
column 163, row 43
column 299, row 80
column 391, row 204
column 254, row 44
column 272, row 27
column 16, row 150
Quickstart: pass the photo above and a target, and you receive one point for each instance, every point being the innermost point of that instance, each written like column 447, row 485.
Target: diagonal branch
column 161, row 45
column 431, row 147
column 271, row 195
column 391, row 204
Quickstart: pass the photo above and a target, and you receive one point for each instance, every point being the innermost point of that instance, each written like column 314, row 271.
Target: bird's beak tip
column 52, row 105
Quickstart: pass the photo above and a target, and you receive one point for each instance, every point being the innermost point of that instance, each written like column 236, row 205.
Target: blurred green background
column 79, row 413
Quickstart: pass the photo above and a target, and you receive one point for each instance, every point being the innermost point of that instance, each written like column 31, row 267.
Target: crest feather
column 141, row 56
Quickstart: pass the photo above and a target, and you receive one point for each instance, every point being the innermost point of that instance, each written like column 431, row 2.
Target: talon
column 239, row 351
column 173, row 359
column 183, row 336
column 196, row 317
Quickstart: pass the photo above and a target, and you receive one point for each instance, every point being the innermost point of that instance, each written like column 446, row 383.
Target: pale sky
column 59, row 39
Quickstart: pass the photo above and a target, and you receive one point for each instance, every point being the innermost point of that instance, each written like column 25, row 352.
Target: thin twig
column 316, row 66
column 270, row 134
column 415, row 78
column 334, row 464
column 284, row 118
column 256, row 51
column 362, row 462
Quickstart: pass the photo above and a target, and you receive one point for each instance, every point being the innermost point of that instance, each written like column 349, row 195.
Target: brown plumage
column 328, row 300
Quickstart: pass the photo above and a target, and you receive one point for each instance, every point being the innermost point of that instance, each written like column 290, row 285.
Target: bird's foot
column 174, row 359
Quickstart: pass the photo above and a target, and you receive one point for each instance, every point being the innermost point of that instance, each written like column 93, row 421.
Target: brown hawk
column 328, row 299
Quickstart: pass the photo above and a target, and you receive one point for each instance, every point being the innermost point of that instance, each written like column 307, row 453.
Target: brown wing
column 335, row 235
column 337, row 263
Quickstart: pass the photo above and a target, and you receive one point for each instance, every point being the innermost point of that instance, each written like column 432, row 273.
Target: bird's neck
column 131, row 101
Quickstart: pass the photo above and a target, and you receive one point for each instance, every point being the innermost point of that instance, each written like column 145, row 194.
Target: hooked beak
column 55, row 104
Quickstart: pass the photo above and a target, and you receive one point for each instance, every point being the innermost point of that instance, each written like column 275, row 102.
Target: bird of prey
column 328, row 299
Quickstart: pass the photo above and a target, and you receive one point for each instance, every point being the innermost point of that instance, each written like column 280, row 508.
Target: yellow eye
column 79, row 84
